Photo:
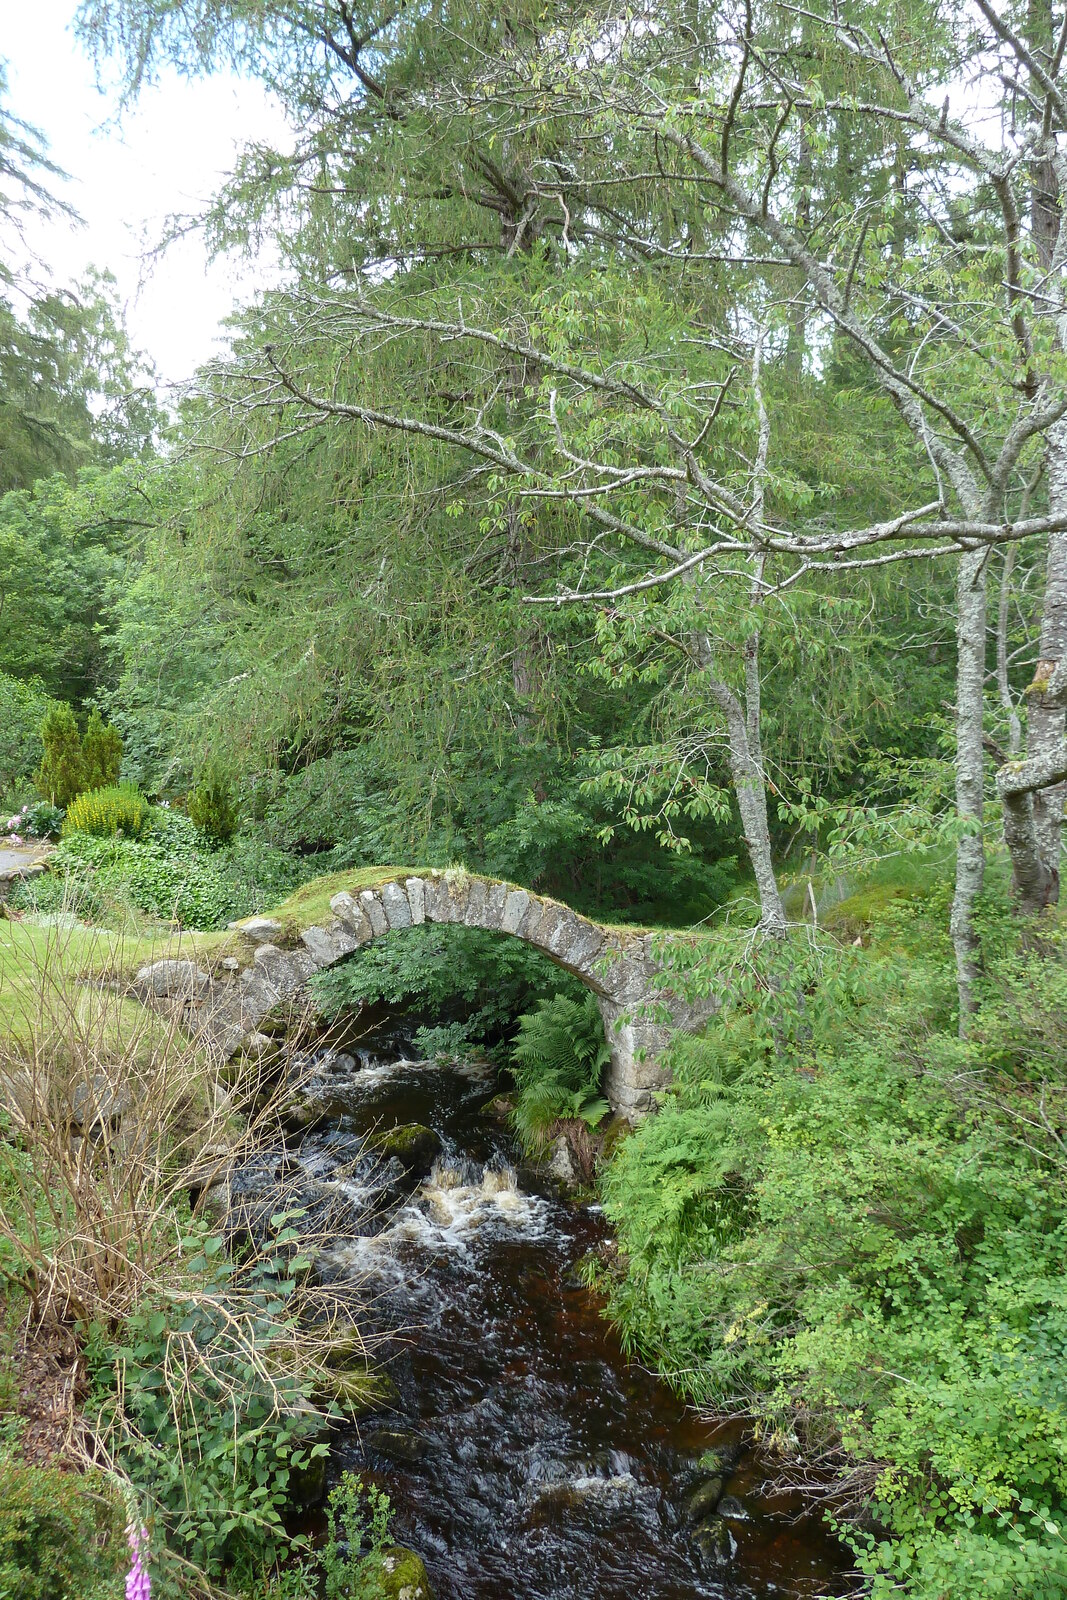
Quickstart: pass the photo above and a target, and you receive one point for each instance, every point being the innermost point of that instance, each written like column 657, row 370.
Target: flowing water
column 526, row 1457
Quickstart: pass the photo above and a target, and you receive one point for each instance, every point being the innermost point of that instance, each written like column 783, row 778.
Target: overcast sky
column 127, row 177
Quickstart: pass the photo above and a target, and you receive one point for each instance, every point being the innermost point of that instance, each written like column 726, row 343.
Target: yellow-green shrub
column 118, row 809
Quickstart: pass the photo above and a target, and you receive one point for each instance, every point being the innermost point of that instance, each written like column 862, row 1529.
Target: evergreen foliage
column 59, row 776
column 211, row 805
column 71, row 764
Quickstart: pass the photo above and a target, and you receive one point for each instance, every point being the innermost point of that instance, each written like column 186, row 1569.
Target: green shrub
column 60, row 1535
column 108, row 813
column 202, row 1412
column 857, row 1222
column 59, row 776
column 356, row 1541
column 211, row 804
column 71, row 764
column 487, row 980
column 557, row 1060
column 176, row 884
column 101, row 754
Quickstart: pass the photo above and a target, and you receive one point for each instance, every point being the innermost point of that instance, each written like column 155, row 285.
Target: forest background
column 649, row 485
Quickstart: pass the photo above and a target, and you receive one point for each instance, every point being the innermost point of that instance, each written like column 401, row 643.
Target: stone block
column 351, row 913
column 416, row 893
column 261, row 930
column 515, row 908
column 329, row 945
column 439, row 907
column 286, row 971
column 174, row 980
column 458, row 885
column 397, row 907
column 374, row 912
column 493, row 910
column 540, row 920
column 476, row 903
column 562, row 938
column 588, row 942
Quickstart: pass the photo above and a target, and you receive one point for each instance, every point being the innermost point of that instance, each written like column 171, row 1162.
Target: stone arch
column 616, row 964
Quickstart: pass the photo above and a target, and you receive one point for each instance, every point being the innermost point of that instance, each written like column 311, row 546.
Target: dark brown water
column 527, row 1458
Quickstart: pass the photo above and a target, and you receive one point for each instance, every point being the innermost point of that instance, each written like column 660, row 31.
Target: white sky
column 167, row 154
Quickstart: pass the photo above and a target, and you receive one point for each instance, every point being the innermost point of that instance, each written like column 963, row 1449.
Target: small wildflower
column 138, row 1583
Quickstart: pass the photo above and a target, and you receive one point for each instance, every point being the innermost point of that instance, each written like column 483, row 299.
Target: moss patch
column 403, row 1575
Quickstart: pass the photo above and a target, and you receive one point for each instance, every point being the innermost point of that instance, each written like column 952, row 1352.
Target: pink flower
column 138, row 1583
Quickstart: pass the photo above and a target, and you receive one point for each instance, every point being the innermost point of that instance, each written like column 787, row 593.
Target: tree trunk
column 1032, row 791
column 1045, row 720
column 970, row 852
column 746, row 770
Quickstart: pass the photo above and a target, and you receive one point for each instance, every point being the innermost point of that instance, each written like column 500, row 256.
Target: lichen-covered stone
column 173, row 980
column 396, row 906
column 375, row 912
column 415, row 889
column 403, row 1576
column 515, row 907
column 331, row 944
column 261, row 930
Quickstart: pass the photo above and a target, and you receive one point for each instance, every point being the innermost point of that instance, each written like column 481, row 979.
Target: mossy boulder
column 499, row 1108
column 415, row 1146
column 403, row 1575
column 356, row 1389
column 714, row 1541
column 702, row 1501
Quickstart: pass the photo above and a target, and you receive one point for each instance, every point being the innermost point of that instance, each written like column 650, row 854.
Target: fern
column 557, row 1059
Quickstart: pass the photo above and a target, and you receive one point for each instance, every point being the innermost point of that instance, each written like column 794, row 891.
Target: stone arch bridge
column 618, row 965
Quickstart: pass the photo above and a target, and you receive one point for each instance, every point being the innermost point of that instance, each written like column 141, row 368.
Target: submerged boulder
column 704, row 1499
column 714, row 1541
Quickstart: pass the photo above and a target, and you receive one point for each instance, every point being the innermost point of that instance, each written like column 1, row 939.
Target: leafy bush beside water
column 481, row 980
column 858, row 1222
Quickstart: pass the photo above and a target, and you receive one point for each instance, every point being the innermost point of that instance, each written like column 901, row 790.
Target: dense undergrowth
column 852, row 1223
column 193, row 1389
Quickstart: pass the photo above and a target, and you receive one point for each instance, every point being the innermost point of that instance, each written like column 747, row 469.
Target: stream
column 526, row 1457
